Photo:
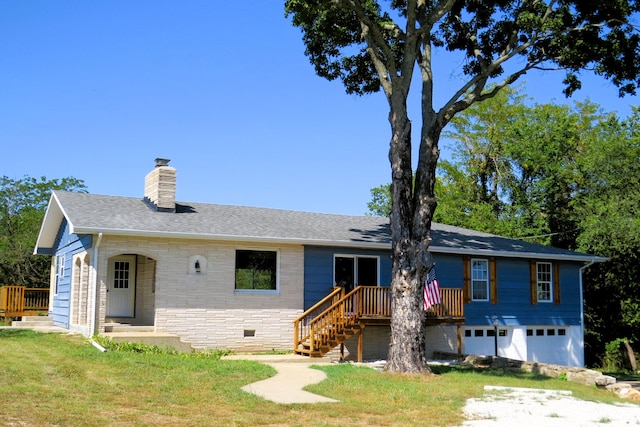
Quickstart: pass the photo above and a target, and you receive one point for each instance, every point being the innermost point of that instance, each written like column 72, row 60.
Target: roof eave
column 337, row 243
column 50, row 224
column 513, row 254
column 234, row 238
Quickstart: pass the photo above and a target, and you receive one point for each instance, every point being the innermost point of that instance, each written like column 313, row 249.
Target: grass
column 62, row 380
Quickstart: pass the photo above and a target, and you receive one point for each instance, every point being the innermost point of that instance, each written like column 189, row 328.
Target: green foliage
column 345, row 39
column 132, row 347
column 607, row 213
column 559, row 175
column 380, row 203
column 614, row 357
column 22, row 206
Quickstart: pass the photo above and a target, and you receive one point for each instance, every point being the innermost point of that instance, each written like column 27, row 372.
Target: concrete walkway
column 294, row 373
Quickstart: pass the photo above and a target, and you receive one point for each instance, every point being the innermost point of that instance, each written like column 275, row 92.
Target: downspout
column 584, row 267
column 94, row 287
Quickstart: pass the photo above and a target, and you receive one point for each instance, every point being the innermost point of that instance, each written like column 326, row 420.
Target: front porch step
column 33, row 322
column 123, row 327
column 159, row 339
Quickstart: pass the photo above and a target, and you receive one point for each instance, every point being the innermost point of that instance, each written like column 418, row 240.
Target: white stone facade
column 204, row 308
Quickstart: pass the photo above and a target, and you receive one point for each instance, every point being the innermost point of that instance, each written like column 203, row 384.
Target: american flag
column 431, row 290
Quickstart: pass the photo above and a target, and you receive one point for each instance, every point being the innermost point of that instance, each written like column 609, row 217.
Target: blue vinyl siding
column 449, row 270
column 318, row 270
column 66, row 245
column 514, row 298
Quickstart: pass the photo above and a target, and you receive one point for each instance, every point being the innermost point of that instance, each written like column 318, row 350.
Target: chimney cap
column 162, row 162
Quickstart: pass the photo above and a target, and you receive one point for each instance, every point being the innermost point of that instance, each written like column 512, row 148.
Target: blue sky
column 97, row 90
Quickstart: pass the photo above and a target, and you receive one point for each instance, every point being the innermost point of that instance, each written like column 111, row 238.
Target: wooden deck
column 19, row 301
column 338, row 317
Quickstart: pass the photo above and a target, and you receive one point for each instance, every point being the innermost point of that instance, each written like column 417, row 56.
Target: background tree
column 574, row 176
column 371, row 48
column 608, row 215
column 22, row 206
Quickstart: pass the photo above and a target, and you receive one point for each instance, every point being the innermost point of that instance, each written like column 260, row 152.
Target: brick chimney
column 160, row 187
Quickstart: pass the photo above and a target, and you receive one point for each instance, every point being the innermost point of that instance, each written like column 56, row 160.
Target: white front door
column 121, row 286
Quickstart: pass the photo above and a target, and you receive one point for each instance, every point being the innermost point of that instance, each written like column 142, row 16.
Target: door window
column 351, row 271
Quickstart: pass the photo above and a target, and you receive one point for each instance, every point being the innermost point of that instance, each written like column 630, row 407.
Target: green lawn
column 62, row 380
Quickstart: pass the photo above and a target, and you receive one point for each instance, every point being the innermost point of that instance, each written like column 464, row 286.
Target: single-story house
column 236, row 277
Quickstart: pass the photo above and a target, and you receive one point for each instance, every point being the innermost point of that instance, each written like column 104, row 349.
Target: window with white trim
column 544, row 285
column 479, row 280
column 59, row 272
column 256, row 270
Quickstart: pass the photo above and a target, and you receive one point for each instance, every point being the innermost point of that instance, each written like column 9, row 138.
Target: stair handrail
column 347, row 312
column 322, row 330
column 300, row 324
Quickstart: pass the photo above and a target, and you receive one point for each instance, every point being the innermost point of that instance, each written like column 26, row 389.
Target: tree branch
column 377, row 47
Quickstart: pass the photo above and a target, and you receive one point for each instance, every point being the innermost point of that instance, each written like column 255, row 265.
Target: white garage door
column 482, row 341
column 548, row 344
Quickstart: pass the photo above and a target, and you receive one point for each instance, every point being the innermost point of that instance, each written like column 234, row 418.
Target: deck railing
column 320, row 325
column 18, row 301
column 452, row 305
column 363, row 301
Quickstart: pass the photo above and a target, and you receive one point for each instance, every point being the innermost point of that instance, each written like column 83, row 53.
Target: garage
column 549, row 344
column 482, row 341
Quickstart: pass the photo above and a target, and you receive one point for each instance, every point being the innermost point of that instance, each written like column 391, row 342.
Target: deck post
column 360, row 346
column 459, row 343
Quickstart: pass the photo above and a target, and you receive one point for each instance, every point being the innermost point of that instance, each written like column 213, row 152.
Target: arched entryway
column 131, row 289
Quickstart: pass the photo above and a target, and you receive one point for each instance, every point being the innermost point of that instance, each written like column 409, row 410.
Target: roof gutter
column 515, row 254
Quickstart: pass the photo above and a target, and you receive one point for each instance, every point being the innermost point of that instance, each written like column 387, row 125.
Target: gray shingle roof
column 92, row 214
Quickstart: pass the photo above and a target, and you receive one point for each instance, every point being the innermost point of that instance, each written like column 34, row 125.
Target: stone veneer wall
column 203, row 308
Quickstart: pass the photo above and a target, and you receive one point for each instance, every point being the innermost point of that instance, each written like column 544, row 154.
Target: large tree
column 608, row 215
column 372, row 46
column 22, row 206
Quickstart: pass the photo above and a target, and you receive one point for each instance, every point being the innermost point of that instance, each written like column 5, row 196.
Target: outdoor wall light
column 197, row 265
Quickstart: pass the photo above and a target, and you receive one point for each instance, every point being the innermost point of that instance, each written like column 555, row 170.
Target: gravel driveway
column 524, row 407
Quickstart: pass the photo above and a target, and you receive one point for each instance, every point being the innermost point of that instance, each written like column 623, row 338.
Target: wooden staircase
column 338, row 317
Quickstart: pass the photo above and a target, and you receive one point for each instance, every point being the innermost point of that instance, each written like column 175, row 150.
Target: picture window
column 256, row 270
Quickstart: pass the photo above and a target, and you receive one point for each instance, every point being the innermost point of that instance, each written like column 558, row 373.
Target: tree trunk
column 631, row 356
column 407, row 352
column 413, row 205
